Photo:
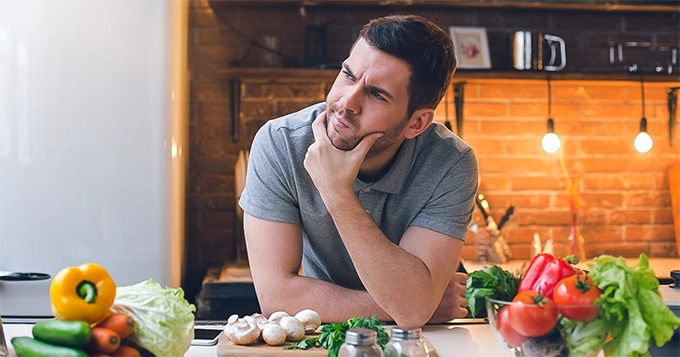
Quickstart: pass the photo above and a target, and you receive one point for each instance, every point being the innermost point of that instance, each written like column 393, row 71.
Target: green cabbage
column 164, row 320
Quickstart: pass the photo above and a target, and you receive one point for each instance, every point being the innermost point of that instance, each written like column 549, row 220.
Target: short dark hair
column 426, row 48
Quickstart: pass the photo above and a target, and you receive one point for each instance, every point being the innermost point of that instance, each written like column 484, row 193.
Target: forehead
column 378, row 68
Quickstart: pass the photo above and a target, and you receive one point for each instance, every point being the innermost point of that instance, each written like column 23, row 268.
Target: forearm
column 333, row 303
column 418, row 293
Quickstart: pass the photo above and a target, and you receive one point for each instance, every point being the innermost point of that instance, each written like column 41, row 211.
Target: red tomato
column 575, row 298
column 532, row 314
column 512, row 337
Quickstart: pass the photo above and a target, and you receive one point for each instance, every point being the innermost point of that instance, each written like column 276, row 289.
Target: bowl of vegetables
column 552, row 308
column 532, row 326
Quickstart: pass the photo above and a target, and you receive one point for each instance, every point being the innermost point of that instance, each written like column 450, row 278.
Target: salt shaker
column 406, row 342
column 360, row 342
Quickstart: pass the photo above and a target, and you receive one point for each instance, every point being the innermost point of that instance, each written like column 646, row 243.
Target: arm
column 423, row 271
column 275, row 254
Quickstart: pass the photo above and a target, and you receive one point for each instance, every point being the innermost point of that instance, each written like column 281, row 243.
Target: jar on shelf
column 360, row 342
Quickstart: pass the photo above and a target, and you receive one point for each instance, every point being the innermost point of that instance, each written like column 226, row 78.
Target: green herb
column 492, row 281
column 333, row 335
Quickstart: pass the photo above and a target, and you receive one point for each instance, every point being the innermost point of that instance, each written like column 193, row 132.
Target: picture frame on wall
column 471, row 46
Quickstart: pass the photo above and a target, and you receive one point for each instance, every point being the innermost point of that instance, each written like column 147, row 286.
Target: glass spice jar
column 406, row 342
column 360, row 342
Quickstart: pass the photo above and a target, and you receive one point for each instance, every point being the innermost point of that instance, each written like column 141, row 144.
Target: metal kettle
column 538, row 52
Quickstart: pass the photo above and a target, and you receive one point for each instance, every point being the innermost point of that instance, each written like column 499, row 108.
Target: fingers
column 319, row 127
column 367, row 142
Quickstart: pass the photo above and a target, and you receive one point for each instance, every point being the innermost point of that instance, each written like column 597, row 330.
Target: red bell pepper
column 545, row 271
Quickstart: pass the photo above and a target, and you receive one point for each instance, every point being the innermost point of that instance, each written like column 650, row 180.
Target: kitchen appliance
column 93, row 117
column 538, row 52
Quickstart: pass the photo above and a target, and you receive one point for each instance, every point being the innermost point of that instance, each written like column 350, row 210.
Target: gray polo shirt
column 432, row 184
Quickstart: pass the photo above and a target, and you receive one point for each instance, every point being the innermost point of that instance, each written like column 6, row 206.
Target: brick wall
column 626, row 201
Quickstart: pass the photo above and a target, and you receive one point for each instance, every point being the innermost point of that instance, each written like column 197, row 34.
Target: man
column 364, row 192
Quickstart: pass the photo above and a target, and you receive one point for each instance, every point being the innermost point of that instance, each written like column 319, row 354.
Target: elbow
column 270, row 303
column 413, row 318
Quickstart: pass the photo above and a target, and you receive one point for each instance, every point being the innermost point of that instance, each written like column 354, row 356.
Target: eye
column 377, row 95
column 348, row 75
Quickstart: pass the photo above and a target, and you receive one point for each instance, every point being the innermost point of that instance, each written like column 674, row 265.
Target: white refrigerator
column 93, row 132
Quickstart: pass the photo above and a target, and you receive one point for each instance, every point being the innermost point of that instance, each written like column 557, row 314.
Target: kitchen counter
column 470, row 340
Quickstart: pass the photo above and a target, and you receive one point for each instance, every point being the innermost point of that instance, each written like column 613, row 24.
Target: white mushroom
column 276, row 316
column 295, row 330
column 260, row 320
column 273, row 334
column 230, row 322
column 244, row 332
column 310, row 319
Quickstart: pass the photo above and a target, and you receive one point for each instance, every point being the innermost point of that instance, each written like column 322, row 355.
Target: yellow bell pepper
column 83, row 293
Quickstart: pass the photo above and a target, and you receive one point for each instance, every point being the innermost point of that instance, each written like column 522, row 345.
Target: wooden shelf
column 302, row 73
column 578, row 5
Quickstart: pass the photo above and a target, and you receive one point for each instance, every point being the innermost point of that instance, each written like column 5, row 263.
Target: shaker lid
column 360, row 336
column 406, row 333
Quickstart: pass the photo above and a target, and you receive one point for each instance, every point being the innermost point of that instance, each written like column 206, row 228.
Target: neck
column 375, row 167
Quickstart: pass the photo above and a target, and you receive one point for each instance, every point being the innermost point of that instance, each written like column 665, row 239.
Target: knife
column 506, row 217
column 483, row 205
column 21, row 276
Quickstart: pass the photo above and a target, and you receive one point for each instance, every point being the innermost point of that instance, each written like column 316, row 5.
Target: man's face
column 368, row 96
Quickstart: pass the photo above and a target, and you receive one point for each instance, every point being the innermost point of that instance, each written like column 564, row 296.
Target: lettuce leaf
column 164, row 320
column 631, row 305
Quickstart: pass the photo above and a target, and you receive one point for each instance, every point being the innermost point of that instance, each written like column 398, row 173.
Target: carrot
column 104, row 340
column 119, row 322
column 125, row 351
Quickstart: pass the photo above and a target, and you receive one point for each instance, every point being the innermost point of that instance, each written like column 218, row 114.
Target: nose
column 351, row 101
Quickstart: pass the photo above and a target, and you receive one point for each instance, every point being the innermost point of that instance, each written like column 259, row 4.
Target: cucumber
column 63, row 333
column 29, row 347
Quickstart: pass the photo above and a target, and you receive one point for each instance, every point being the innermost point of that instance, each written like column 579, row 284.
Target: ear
column 419, row 122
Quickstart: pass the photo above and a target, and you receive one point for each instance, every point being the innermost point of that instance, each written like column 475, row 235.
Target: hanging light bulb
column 643, row 142
column 550, row 142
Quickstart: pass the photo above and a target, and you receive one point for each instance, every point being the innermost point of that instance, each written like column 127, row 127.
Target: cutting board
column 674, row 184
column 226, row 348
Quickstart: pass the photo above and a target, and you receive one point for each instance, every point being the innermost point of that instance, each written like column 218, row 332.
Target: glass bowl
column 549, row 344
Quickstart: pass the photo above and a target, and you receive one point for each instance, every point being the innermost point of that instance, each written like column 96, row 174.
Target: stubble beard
column 347, row 144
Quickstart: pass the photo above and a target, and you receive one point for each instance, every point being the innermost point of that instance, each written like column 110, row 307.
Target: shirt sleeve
column 269, row 192
column 449, row 210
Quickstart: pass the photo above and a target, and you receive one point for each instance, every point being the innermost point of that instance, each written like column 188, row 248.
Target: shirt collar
column 394, row 179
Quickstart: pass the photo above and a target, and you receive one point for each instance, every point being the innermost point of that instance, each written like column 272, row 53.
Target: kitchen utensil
column 538, row 51
column 22, row 276
column 506, row 217
column 498, row 242
column 672, row 109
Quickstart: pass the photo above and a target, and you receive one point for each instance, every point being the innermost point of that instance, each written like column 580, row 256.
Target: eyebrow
column 369, row 86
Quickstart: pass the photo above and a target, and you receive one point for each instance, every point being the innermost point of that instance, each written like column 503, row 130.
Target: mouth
column 338, row 121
